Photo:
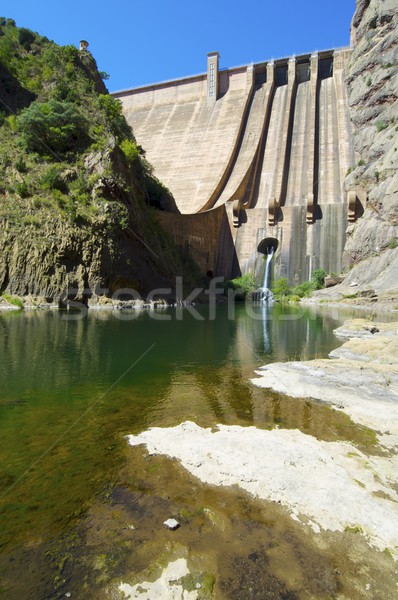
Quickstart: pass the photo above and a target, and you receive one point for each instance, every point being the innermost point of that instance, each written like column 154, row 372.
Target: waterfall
column 264, row 294
column 267, row 273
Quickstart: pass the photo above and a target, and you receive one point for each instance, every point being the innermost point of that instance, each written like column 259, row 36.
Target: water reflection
column 77, row 387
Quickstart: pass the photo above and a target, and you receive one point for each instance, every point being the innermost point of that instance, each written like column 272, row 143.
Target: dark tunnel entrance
column 267, row 244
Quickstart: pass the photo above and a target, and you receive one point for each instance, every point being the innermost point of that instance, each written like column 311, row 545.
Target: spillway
column 253, row 152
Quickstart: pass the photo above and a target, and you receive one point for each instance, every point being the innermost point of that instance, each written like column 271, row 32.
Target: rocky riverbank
column 324, row 486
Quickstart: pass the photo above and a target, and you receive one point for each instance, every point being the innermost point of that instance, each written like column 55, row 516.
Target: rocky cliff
column 76, row 193
column 371, row 249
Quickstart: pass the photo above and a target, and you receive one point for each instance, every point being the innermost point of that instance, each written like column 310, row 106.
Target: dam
column 253, row 153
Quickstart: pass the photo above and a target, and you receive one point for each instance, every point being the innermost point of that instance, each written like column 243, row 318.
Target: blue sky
column 139, row 42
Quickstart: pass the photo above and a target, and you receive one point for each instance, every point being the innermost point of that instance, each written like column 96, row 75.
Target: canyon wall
column 371, row 250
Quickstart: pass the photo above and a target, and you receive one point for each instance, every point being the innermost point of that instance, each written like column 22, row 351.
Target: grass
column 14, row 300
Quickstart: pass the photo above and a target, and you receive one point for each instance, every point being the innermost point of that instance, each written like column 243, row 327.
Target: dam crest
column 250, row 153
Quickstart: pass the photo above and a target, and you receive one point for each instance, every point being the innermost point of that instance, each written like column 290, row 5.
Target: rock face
column 372, row 243
column 55, row 257
column 76, row 193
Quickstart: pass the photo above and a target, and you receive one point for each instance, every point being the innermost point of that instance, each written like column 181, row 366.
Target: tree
column 53, row 127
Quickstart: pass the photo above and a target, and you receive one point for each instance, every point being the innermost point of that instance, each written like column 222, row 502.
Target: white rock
column 171, row 524
column 164, row 588
column 322, row 484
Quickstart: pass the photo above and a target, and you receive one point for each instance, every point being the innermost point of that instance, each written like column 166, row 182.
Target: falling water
column 267, row 273
column 264, row 294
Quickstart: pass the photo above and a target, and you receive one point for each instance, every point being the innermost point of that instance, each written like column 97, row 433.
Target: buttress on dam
column 254, row 156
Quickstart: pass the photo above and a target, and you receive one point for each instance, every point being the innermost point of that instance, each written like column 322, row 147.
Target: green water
column 70, row 390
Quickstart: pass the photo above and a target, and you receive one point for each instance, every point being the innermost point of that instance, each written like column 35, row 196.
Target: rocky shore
column 323, row 485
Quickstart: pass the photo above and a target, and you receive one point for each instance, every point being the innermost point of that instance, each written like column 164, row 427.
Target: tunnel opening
column 325, row 68
column 268, row 244
column 281, row 73
column 261, row 75
column 303, row 72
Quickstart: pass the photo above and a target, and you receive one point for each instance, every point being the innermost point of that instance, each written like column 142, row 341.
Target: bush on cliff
column 53, row 128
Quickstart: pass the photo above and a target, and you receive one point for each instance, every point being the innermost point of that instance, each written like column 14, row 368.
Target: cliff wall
column 75, row 188
column 372, row 242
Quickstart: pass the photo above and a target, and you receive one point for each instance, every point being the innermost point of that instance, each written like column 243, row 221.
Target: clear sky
column 146, row 41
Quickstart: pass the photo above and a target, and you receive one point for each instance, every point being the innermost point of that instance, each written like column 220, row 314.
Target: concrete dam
column 254, row 156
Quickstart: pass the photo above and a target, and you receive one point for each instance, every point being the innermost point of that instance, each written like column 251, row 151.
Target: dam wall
column 253, row 152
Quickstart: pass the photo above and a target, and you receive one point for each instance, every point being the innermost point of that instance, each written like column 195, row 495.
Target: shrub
column 52, row 180
column 53, row 126
column 26, row 37
column 304, row 289
column 4, row 22
column 22, row 189
column 12, row 122
column 247, row 283
column 318, row 278
column 60, row 198
column 129, row 149
column 20, row 165
column 280, row 288
column 393, row 243
column 113, row 111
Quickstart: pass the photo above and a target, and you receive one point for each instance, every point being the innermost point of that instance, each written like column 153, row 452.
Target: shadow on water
column 70, row 390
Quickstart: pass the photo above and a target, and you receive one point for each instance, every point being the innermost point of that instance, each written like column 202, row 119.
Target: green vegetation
column 380, row 125
column 393, row 243
column 53, row 128
column 318, row 278
column 70, row 166
column 129, row 149
column 67, row 151
column 15, row 300
column 283, row 292
column 353, row 529
column 280, row 288
column 245, row 283
column 62, row 116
